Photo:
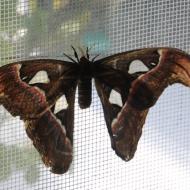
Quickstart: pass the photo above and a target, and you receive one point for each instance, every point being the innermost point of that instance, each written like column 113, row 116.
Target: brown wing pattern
column 16, row 96
column 141, row 90
column 51, row 133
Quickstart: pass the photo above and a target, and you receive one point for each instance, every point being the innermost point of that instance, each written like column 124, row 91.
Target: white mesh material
column 30, row 28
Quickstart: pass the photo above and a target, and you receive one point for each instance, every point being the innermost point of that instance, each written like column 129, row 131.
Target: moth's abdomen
column 84, row 92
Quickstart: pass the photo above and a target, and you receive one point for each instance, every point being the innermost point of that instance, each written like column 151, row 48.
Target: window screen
column 48, row 28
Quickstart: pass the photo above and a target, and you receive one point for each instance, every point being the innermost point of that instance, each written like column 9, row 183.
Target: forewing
column 21, row 98
column 24, row 93
column 115, row 71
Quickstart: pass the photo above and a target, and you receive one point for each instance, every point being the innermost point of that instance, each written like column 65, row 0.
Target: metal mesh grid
column 48, row 28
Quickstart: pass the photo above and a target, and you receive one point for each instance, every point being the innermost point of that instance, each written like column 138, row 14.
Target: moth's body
column 85, row 82
column 35, row 101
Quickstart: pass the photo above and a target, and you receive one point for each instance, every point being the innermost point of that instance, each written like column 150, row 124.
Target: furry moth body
column 24, row 95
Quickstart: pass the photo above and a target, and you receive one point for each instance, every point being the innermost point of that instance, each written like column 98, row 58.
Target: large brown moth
column 52, row 132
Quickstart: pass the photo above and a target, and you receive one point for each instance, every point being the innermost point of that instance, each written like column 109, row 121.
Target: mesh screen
column 47, row 28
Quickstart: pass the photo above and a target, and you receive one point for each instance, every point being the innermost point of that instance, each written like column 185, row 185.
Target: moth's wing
column 114, row 76
column 52, row 135
column 115, row 71
column 173, row 67
column 25, row 94
column 23, row 97
column 105, row 88
column 139, row 90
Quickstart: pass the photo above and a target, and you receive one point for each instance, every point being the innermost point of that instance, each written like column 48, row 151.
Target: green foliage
column 47, row 26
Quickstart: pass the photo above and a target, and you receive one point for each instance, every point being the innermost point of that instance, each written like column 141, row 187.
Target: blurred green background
column 49, row 28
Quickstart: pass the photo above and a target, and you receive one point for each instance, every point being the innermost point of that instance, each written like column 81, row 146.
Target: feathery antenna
column 75, row 53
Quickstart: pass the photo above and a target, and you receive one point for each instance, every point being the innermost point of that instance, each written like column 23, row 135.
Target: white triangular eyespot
column 115, row 98
column 40, row 77
column 61, row 104
column 137, row 66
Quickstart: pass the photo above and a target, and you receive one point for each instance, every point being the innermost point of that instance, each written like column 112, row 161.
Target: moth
column 52, row 132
